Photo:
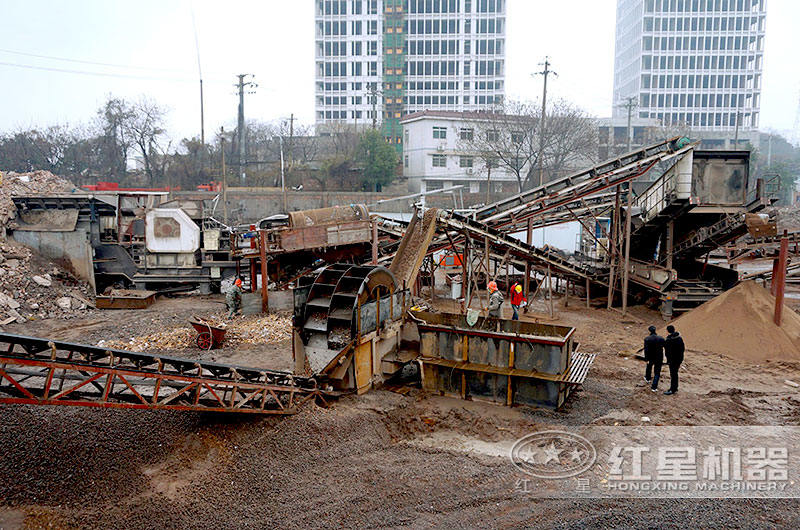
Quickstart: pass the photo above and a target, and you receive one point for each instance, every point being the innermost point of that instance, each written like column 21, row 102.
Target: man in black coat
column 674, row 348
column 654, row 355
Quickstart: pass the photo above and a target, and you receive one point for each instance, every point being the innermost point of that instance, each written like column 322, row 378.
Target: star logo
column 551, row 453
column 576, row 455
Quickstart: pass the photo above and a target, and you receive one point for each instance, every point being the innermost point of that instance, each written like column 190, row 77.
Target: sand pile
column 739, row 324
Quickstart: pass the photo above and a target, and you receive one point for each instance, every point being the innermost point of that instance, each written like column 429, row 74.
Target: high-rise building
column 378, row 60
column 691, row 63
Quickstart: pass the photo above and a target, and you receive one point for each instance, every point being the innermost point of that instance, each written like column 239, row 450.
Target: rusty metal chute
column 333, row 214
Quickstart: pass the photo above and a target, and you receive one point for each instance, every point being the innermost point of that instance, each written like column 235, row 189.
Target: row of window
column 702, row 43
column 466, row 162
column 468, row 134
column 452, row 6
column 712, row 82
column 704, row 119
column 453, row 85
column 693, row 101
column 414, row 101
column 702, row 62
column 370, row 7
column 339, row 7
column 704, row 23
column 339, row 69
column 698, row 6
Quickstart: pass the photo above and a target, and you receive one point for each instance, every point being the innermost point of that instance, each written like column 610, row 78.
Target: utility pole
column 283, row 180
column 373, row 94
column 291, row 142
column 543, row 121
column 224, row 178
column 630, row 104
column 241, row 85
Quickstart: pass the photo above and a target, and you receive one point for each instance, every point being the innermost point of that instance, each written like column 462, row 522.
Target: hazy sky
column 152, row 43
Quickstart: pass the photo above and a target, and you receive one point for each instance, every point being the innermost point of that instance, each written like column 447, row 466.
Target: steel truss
column 37, row 371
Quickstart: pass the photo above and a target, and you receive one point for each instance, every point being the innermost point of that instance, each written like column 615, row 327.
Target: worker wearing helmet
column 517, row 299
column 495, row 300
column 234, row 298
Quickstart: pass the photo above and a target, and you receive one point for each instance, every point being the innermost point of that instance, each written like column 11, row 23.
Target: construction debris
column 256, row 329
column 739, row 324
column 32, row 288
column 33, row 183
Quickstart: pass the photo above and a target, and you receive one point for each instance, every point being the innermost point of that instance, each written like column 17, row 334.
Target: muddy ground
column 362, row 461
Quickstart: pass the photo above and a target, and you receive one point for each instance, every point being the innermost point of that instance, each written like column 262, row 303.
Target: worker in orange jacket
column 517, row 299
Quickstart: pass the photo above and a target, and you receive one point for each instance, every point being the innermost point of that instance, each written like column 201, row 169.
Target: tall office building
column 691, row 63
column 382, row 59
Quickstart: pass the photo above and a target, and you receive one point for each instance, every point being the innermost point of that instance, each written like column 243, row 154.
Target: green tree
column 377, row 158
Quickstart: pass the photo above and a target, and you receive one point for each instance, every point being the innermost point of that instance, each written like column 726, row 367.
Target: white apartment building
column 438, row 153
column 407, row 56
column 696, row 63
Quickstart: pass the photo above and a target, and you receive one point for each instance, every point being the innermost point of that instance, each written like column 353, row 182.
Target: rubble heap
column 33, row 289
column 33, row 183
column 255, row 329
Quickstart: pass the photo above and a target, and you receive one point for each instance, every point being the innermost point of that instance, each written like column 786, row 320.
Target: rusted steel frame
column 145, row 374
column 576, row 194
column 491, row 335
column 123, row 405
column 165, row 403
column 591, row 232
column 597, row 221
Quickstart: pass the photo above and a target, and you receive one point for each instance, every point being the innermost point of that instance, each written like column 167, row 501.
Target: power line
column 100, row 74
column 130, row 67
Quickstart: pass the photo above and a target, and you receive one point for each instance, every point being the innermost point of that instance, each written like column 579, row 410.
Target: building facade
column 379, row 60
column 691, row 63
column 439, row 152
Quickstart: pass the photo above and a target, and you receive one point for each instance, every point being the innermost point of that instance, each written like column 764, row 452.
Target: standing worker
column 674, row 348
column 495, row 300
column 654, row 355
column 234, row 298
column 517, row 299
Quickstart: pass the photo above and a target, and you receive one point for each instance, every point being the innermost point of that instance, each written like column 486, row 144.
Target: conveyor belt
column 39, row 371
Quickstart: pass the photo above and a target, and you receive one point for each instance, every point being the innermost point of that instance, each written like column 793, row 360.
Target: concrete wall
column 70, row 250
column 251, row 204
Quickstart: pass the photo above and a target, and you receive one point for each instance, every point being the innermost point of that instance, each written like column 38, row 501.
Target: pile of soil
column 739, row 324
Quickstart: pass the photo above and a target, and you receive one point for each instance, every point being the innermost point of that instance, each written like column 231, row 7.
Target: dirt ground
column 365, row 461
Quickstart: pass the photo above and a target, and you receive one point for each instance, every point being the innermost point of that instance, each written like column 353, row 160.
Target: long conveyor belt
column 39, row 371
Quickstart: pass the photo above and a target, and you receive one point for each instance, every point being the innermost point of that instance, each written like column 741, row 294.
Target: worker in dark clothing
column 674, row 348
column 654, row 355
column 234, row 299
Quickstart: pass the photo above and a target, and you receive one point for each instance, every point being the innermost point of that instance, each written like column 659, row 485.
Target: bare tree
column 504, row 140
column 144, row 126
column 570, row 140
column 508, row 140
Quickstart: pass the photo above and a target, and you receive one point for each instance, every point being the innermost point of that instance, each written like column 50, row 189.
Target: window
column 440, row 133
column 466, row 161
column 405, row 161
column 439, row 160
column 492, row 135
column 466, row 134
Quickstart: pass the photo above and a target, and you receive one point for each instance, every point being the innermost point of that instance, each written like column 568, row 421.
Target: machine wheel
column 204, row 341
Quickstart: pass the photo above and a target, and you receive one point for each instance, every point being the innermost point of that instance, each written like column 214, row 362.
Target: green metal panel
column 394, row 64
